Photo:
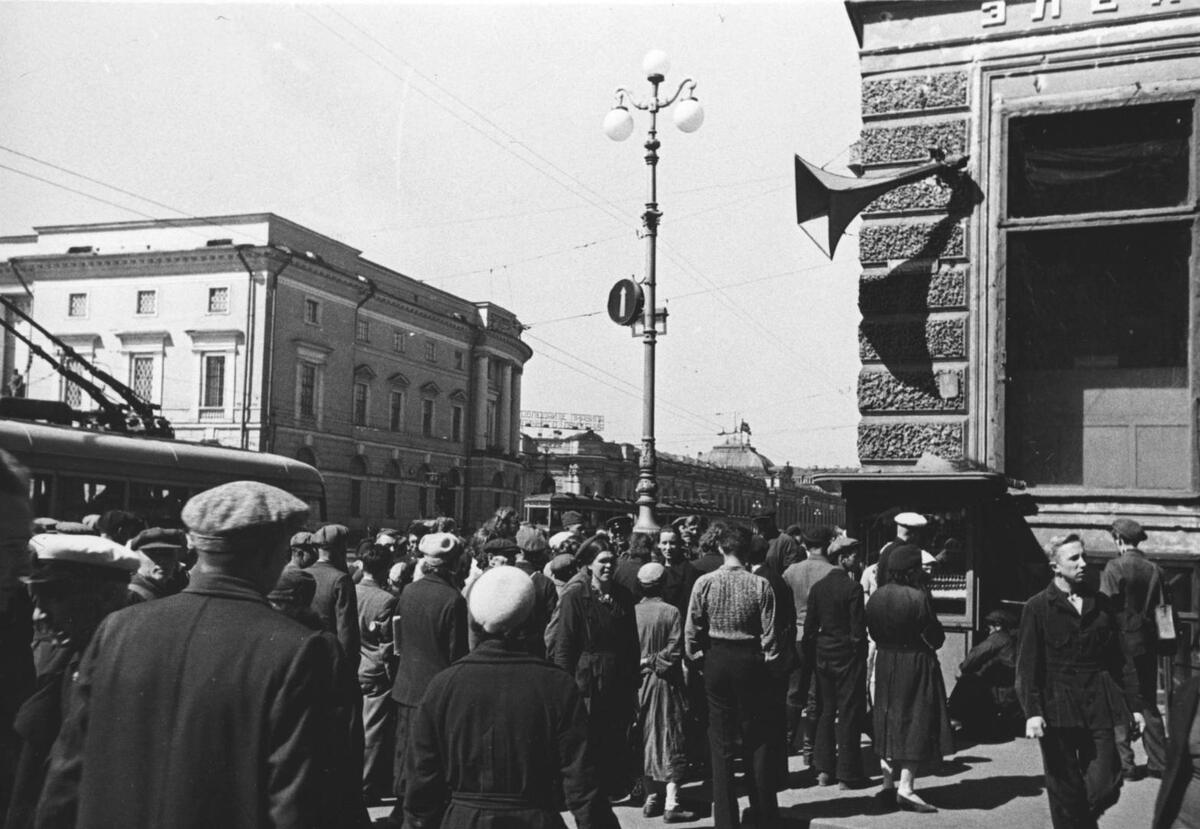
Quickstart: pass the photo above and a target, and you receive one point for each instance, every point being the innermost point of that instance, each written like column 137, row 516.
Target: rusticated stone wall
column 913, row 389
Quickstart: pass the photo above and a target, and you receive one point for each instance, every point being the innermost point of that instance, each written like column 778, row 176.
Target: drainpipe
column 267, row 442
column 251, row 302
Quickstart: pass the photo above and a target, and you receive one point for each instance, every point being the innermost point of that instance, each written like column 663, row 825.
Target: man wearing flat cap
column 430, row 632
column 1135, row 585
column 76, row 582
column 572, row 522
column 801, row 699
column 534, row 757
column 206, row 708
column 161, row 573
column 336, row 603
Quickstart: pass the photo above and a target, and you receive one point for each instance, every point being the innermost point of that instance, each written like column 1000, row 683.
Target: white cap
column 558, row 539
column 912, row 520
column 501, row 599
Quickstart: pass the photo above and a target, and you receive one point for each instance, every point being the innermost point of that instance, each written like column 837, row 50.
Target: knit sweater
column 731, row 604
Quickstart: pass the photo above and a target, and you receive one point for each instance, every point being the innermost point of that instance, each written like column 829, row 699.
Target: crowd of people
column 240, row 672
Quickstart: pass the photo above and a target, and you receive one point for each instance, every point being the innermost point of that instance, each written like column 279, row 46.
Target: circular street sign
column 625, row 302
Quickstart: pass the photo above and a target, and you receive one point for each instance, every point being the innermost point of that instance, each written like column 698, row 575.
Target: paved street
column 982, row 785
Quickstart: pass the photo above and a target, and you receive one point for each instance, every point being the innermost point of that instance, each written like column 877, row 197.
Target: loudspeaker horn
column 840, row 198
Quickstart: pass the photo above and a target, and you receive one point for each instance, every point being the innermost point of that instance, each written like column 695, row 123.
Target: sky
column 462, row 146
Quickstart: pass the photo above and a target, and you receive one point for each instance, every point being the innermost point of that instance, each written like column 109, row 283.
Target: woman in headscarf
column 911, row 723
column 593, row 636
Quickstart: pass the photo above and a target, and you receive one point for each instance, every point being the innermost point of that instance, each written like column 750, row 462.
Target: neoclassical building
column 254, row 332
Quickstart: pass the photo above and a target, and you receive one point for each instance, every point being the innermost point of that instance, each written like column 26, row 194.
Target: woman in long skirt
column 912, row 726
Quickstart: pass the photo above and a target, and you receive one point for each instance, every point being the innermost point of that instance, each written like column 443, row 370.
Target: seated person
column 984, row 701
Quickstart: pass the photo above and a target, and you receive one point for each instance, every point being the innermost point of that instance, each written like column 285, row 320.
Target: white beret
column 650, row 572
column 501, row 599
column 217, row 518
column 558, row 539
column 440, row 546
column 913, row 520
column 87, row 550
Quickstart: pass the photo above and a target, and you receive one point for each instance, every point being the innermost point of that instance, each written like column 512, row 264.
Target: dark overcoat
column 1071, row 668
column 430, row 634
column 203, row 709
column 836, row 623
column 500, row 740
column 1178, row 773
column 336, row 604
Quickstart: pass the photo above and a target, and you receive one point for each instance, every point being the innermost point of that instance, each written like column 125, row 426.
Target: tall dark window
column 214, row 381
column 427, row 417
column 361, row 396
column 308, row 389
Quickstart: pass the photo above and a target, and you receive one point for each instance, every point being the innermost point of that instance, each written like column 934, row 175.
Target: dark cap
column 73, row 557
column 302, row 539
column 562, row 566
column 571, row 517
column 842, row 544
column 763, row 516
column 295, row 587
column 501, row 547
column 226, row 517
column 1003, row 618
column 794, row 530
column 119, row 525
column 159, row 540
column 817, row 536
column 1128, row 530
column 904, row 557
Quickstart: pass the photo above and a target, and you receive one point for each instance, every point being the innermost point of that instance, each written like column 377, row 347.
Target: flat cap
column 1128, row 530
column 120, row 525
column 841, row 544
column 331, row 535
column 571, row 517
column 443, row 547
column 61, row 557
column 501, row 599
column 158, row 539
column 651, row 573
column 913, row 520
column 221, row 519
column 794, row 529
column 295, row 587
column 501, row 547
column 301, row 539
column 558, row 539
column 562, row 566
column 44, row 525
column 817, row 536
column 535, row 543
column 525, row 532
column 904, row 557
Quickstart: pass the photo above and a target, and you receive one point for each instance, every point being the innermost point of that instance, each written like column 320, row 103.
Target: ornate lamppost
column 618, row 125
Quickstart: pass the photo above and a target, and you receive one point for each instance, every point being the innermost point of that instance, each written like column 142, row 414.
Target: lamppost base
column 646, row 522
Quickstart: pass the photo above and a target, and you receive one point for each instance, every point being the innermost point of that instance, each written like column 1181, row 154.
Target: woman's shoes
column 908, row 804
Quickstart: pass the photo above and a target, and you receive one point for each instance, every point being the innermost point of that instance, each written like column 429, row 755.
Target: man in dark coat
column 641, row 547
column 1076, row 684
column 429, row 633
column 835, row 632
column 206, row 708
column 336, row 603
column 77, row 581
column 161, row 573
column 531, row 560
column 376, row 607
column 1135, row 585
column 782, row 549
column 680, row 575
column 533, row 755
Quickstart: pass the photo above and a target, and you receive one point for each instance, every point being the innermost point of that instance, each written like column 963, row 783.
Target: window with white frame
column 72, row 394
column 77, row 305
column 141, row 376
column 212, row 389
column 396, row 411
column 147, row 303
column 362, row 396
column 312, row 311
column 218, row 300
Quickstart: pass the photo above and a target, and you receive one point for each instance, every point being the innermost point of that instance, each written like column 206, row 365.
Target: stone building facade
column 252, row 331
column 1029, row 325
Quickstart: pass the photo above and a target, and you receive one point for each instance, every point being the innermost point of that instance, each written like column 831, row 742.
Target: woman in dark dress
column 912, row 726
column 593, row 636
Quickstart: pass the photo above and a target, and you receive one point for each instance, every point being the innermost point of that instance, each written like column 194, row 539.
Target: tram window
column 78, row 497
column 157, row 502
column 40, row 492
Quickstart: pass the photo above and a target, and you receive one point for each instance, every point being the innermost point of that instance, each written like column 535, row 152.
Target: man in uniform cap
column 335, row 602
column 429, row 633
column 206, row 708
column 76, row 582
column 535, row 755
column 161, row 573
column 1135, row 585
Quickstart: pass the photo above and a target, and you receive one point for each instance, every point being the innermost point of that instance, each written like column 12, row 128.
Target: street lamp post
column 618, row 125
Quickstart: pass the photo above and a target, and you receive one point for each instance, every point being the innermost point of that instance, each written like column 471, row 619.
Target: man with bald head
column 206, row 708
